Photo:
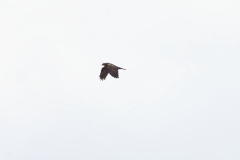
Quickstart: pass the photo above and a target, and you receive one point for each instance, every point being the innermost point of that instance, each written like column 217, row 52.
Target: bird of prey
column 109, row 68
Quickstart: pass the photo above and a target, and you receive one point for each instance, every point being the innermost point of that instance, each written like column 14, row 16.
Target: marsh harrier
column 109, row 68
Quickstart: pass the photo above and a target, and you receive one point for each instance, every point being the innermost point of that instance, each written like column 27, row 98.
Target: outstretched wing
column 113, row 70
column 104, row 73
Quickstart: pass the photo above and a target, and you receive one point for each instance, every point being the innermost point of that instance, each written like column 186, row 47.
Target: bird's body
column 111, row 69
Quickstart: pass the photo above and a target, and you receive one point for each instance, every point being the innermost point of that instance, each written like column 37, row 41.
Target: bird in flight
column 109, row 68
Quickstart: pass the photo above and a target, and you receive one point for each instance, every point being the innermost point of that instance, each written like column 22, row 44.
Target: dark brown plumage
column 111, row 69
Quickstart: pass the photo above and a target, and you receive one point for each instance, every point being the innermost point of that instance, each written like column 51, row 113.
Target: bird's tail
column 122, row 68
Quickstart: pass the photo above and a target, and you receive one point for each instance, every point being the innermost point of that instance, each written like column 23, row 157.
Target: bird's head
column 105, row 64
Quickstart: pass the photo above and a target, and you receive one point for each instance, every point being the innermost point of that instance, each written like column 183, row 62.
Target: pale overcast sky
column 177, row 100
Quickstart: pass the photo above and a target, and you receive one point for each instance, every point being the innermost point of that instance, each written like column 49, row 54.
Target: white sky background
column 178, row 98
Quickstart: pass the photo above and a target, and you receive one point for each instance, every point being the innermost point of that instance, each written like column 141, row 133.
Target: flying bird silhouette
column 111, row 69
